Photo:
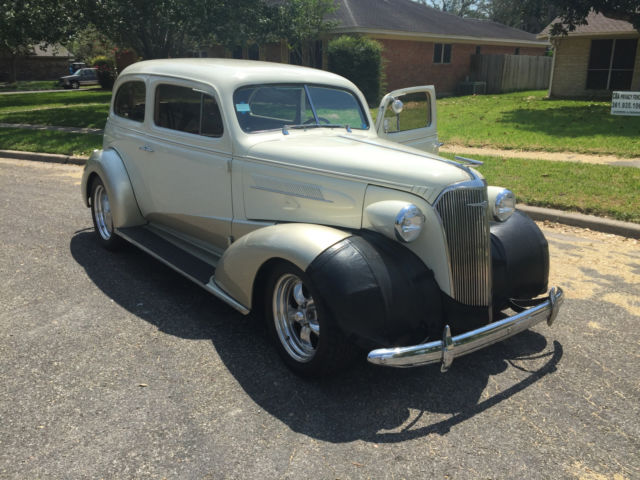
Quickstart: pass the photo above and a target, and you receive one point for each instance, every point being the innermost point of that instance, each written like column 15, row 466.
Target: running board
column 183, row 262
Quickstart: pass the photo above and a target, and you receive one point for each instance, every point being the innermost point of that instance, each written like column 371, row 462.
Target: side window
column 416, row 113
column 187, row 110
column 130, row 100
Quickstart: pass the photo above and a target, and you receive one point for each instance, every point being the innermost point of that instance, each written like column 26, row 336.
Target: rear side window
column 187, row 110
column 130, row 100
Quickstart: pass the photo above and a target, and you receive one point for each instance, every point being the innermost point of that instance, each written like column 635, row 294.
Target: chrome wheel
column 295, row 317
column 102, row 212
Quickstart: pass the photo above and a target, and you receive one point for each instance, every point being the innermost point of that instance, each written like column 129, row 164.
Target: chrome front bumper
column 445, row 350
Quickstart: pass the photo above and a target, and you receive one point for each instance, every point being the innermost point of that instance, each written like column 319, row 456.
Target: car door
column 183, row 166
column 408, row 116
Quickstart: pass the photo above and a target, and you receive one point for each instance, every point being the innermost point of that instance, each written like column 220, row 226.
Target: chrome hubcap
column 296, row 318
column 102, row 209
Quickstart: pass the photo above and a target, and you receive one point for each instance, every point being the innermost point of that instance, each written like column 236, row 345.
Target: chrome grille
column 463, row 212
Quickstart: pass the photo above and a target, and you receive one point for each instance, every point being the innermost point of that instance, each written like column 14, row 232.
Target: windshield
column 271, row 107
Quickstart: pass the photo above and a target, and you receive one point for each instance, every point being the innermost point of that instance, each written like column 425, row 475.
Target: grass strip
column 530, row 121
column 88, row 116
column 46, row 141
column 29, row 101
column 603, row 190
column 29, row 85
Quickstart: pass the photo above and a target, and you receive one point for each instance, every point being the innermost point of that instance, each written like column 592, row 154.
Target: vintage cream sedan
column 271, row 187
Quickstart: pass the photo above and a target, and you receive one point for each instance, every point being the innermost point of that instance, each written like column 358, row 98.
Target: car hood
column 371, row 159
column 69, row 77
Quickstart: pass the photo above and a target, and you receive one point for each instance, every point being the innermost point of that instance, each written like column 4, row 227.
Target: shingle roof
column 50, row 50
column 597, row 24
column 405, row 16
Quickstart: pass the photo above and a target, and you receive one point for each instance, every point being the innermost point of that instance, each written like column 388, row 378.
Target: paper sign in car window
column 243, row 108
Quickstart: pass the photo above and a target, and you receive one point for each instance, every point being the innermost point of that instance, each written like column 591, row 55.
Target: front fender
column 298, row 243
column 109, row 167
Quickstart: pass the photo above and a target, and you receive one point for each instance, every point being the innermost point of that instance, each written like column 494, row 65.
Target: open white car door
column 408, row 116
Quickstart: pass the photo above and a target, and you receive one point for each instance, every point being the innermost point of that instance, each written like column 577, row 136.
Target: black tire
column 75, row 85
column 101, row 216
column 305, row 336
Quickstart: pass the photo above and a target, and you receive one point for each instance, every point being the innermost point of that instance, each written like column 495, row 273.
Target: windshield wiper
column 302, row 126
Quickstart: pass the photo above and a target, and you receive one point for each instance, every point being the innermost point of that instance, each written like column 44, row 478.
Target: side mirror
column 397, row 106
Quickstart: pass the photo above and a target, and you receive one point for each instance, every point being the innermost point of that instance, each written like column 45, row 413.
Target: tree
column 26, row 23
column 88, row 43
column 574, row 12
column 529, row 15
column 360, row 60
column 153, row 29
column 462, row 8
column 301, row 22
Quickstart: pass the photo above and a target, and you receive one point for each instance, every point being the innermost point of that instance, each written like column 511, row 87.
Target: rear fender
column 297, row 243
column 108, row 166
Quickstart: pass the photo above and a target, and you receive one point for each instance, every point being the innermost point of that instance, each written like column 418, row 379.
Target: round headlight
column 505, row 205
column 409, row 222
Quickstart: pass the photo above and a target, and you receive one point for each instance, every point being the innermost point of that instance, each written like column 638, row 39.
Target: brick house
column 42, row 63
column 422, row 45
column 595, row 59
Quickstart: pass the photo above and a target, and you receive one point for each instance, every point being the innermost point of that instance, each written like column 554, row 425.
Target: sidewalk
column 599, row 224
column 553, row 156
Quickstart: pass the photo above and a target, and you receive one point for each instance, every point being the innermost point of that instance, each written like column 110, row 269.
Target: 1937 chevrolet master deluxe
column 271, row 187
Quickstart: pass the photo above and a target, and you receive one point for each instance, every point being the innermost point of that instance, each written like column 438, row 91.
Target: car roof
column 230, row 73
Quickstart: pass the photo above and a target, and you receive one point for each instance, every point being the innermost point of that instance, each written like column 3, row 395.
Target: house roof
column 51, row 50
column 408, row 18
column 597, row 24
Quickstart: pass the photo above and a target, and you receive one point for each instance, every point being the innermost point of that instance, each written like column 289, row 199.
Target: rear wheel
column 303, row 332
column 102, row 216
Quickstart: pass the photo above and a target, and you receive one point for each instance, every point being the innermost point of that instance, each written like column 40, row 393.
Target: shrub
column 106, row 71
column 360, row 60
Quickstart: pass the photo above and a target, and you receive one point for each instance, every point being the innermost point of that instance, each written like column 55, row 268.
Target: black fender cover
column 520, row 260
column 378, row 291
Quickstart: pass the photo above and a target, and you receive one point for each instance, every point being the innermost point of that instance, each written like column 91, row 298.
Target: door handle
column 146, row 148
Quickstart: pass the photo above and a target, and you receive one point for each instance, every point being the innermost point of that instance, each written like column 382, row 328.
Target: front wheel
column 102, row 217
column 75, row 85
column 303, row 332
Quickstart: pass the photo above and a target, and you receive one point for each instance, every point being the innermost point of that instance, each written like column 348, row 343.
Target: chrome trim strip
column 291, row 194
column 445, row 350
column 212, row 287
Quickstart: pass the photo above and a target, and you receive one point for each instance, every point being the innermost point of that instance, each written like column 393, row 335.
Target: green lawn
column 32, row 85
column 48, row 141
column 529, row 121
column 602, row 190
column 88, row 108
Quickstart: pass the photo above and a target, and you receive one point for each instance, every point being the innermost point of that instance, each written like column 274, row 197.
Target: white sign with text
column 625, row 103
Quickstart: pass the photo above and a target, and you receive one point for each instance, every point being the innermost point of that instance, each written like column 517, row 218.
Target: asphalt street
column 114, row 366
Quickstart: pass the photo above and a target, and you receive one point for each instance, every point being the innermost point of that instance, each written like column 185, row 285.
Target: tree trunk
column 13, row 68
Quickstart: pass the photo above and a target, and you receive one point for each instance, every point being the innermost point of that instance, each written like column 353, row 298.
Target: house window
column 236, row 52
column 517, row 51
column 478, row 50
column 442, row 53
column 254, row 52
column 611, row 64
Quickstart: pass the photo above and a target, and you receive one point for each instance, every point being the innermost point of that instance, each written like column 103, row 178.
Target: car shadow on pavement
column 367, row 402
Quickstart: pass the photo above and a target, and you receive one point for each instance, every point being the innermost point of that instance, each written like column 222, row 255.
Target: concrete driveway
column 114, row 366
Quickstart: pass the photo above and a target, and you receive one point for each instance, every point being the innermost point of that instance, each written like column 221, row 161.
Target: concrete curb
column 43, row 157
column 599, row 224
